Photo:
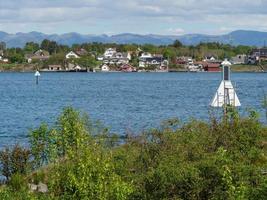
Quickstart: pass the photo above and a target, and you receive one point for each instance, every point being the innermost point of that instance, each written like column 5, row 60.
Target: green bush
column 88, row 174
column 15, row 160
column 219, row 159
column 17, row 182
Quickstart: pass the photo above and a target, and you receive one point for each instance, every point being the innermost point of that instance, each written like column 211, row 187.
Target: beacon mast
column 225, row 95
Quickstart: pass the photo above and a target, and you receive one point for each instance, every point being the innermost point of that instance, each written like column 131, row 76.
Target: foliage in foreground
column 221, row 159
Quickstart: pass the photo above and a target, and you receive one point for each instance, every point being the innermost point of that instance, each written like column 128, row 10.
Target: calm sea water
column 122, row 101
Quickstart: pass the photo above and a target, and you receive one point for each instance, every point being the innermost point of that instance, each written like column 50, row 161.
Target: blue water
column 122, row 101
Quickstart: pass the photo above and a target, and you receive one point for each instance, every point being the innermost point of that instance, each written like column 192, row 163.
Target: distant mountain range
column 240, row 37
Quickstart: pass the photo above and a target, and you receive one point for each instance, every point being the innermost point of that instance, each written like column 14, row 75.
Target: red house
column 127, row 68
column 212, row 67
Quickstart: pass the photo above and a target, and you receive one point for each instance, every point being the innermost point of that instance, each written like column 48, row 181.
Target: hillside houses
column 239, row 59
column 76, row 54
column 93, row 57
column 81, row 52
column 109, row 53
column 2, row 57
column 127, row 68
column 71, row 54
column 112, row 57
column 262, row 52
column 255, row 56
column 39, row 55
column 183, row 60
column 147, row 60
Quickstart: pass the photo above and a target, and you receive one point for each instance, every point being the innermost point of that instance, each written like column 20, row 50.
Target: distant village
column 139, row 60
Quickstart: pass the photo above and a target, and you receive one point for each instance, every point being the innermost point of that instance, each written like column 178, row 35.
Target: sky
column 164, row 17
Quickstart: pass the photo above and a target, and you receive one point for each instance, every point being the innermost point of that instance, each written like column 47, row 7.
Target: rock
column 32, row 187
column 41, row 187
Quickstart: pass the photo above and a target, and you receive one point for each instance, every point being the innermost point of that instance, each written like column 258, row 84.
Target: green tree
column 31, row 47
column 2, row 46
column 43, row 145
column 16, row 58
column 88, row 62
column 177, row 44
column 89, row 174
column 50, row 46
column 14, row 160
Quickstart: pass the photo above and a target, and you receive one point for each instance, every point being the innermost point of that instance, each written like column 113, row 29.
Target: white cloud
column 133, row 15
column 176, row 31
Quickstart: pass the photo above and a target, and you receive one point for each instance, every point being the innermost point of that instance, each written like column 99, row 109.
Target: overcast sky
column 168, row 17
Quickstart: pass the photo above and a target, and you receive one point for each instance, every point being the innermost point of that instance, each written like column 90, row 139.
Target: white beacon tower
column 225, row 95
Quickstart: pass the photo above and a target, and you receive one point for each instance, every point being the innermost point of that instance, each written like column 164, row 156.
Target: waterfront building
column 239, row 59
column 112, row 57
column 2, row 58
column 184, row 60
column 127, row 68
column 260, row 53
column 54, row 68
column 212, row 67
column 153, row 61
column 105, row 68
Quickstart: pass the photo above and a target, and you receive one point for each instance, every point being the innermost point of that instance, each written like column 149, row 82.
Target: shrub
column 15, row 161
column 17, row 182
column 41, row 143
column 88, row 174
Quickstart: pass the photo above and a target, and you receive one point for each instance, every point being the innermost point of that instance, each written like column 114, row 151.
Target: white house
column 5, row 60
column 105, row 68
column 146, row 55
column 153, row 61
column 129, row 56
column 72, row 54
column 54, row 67
column 251, row 60
column 40, row 55
column 210, row 58
column 109, row 53
column 100, row 58
column 116, row 58
column 239, row 59
column 77, row 68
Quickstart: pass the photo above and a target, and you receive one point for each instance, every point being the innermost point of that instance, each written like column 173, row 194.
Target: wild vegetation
column 78, row 159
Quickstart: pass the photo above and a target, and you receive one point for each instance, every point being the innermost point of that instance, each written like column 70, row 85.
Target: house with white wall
column 72, row 54
column 154, row 61
column 105, row 68
column 109, row 52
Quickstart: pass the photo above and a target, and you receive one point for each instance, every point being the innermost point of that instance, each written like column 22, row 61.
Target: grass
column 8, row 67
column 246, row 68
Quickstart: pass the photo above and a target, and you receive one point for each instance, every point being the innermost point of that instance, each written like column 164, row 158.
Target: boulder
column 32, row 187
column 41, row 187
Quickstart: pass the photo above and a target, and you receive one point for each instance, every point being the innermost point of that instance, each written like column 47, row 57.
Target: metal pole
column 224, row 100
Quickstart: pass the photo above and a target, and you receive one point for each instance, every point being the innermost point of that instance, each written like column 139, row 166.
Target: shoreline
column 32, row 68
column 33, row 71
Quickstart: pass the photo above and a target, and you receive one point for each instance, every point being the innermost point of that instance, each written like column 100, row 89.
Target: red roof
column 213, row 65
